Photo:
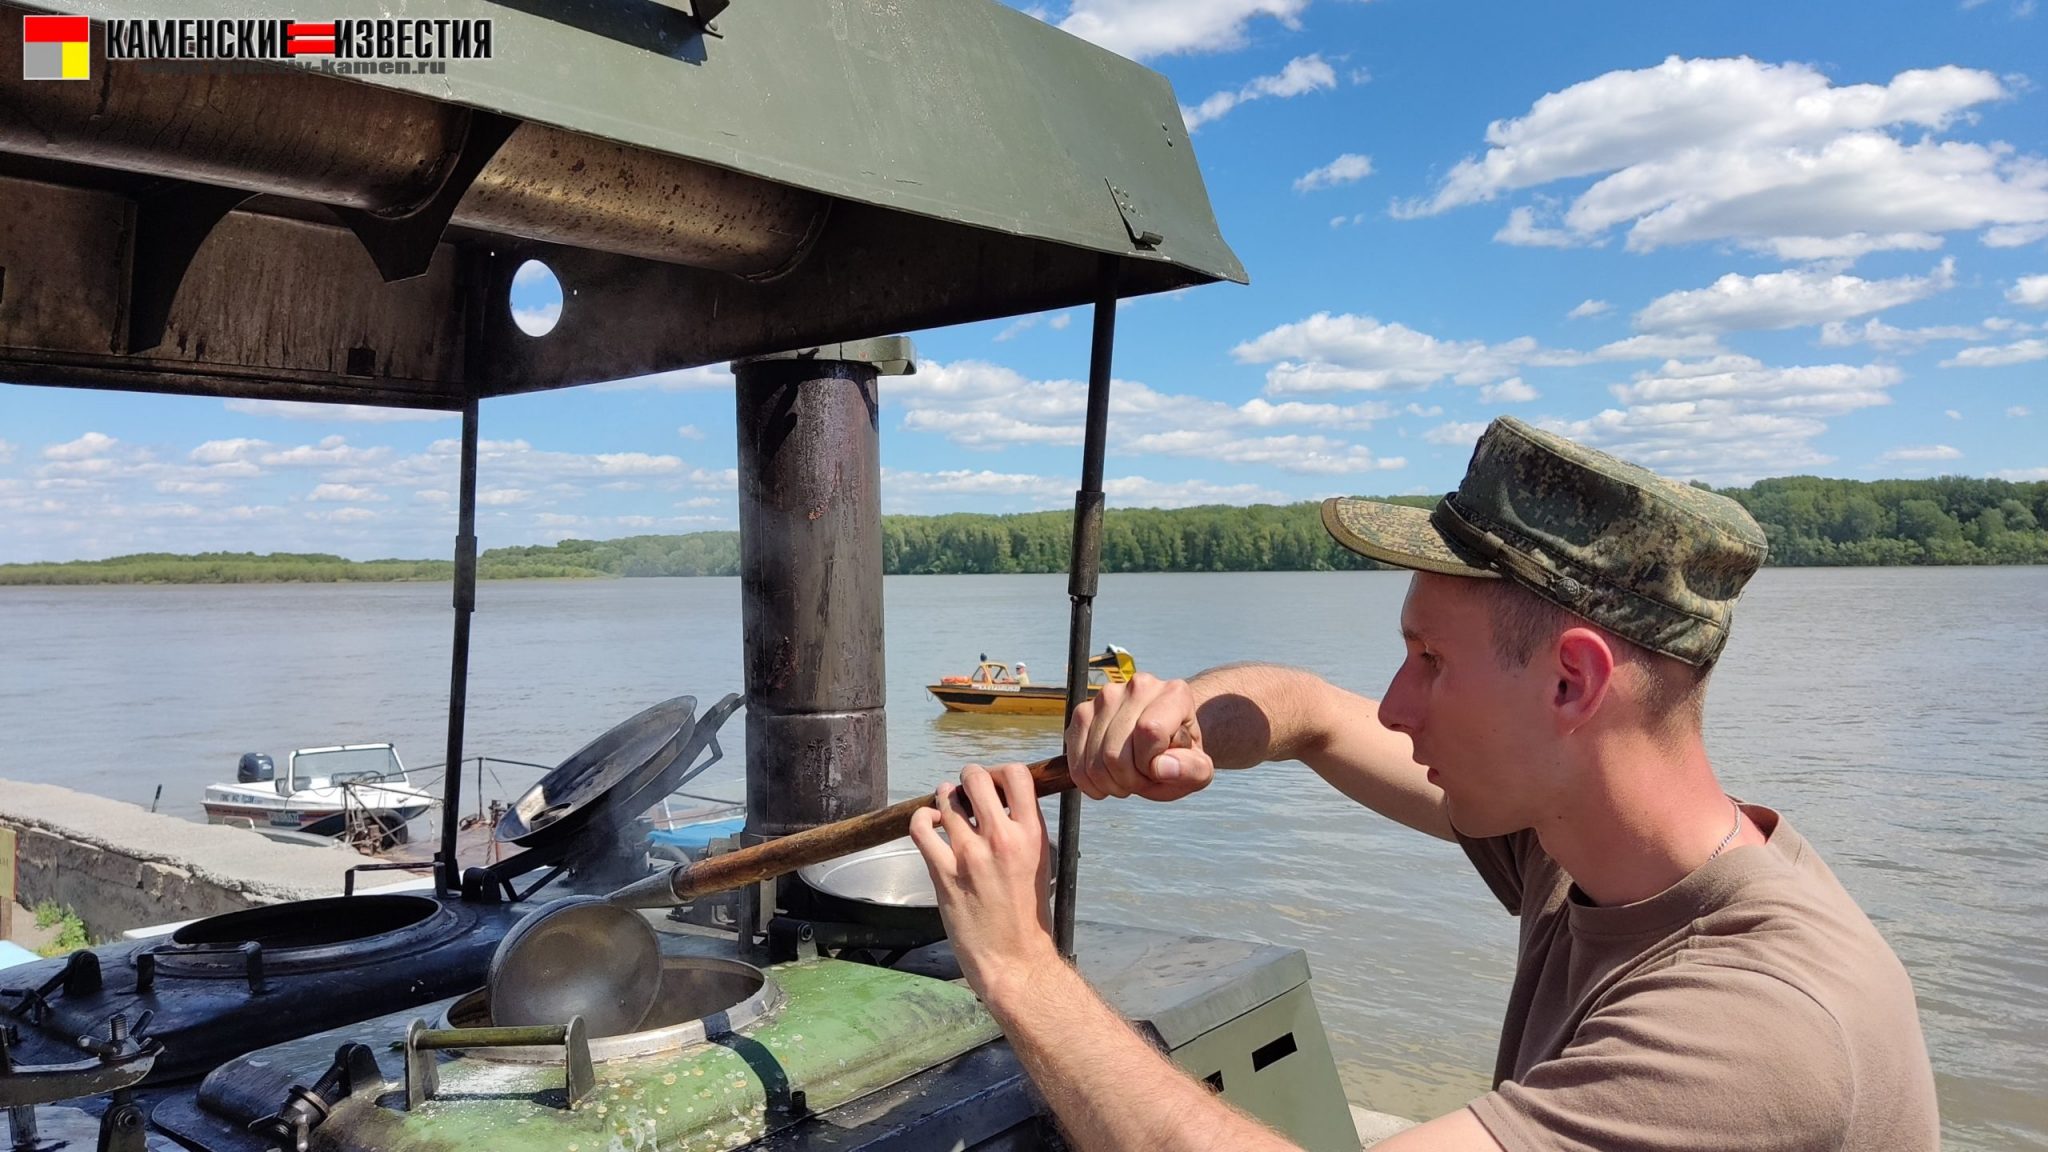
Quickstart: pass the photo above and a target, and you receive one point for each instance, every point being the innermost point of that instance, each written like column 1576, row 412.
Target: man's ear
column 1585, row 671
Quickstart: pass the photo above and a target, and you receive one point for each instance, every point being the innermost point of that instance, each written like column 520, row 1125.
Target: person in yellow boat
column 1691, row 975
column 1023, row 675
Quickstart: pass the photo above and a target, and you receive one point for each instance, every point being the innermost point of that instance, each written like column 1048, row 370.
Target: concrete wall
column 120, row 867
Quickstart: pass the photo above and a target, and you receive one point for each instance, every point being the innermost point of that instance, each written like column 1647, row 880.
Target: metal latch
column 290, row 1128
column 1142, row 234
column 120, row 1062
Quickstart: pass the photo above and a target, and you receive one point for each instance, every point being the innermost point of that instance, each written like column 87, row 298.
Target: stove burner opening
column 311, row 923
column 696, row 990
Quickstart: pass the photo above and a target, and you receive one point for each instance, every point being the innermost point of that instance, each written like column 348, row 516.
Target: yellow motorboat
column 997, row 688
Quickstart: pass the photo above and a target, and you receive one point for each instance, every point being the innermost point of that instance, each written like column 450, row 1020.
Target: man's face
column 1485, row 732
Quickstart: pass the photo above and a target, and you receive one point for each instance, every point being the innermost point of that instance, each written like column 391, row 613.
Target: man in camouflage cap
column 1690, row 974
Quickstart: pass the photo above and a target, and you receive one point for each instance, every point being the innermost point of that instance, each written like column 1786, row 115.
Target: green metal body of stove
column 840, row 1031
column 829, row 1054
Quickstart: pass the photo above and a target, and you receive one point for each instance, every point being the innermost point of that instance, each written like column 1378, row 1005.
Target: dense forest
column 1810, row 521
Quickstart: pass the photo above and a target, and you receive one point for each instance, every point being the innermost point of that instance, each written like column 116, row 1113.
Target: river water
column 1898, row 716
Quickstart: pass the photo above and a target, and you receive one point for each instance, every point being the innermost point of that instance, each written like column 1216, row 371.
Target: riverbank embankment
column 118, row 866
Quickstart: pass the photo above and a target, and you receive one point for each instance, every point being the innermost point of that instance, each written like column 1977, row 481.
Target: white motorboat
column 348, row 789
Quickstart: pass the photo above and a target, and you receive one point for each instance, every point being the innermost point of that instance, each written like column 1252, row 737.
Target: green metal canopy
column 786, row 174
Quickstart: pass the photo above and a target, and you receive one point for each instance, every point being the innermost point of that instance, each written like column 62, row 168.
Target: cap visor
column 1396, row 534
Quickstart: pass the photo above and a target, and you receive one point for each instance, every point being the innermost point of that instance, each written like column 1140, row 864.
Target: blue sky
column 1729, row 241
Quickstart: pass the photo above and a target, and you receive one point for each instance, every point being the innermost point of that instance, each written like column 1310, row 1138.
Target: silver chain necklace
column 1730, row 837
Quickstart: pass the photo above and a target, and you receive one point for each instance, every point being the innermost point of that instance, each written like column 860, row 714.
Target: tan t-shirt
column 1751, row 1005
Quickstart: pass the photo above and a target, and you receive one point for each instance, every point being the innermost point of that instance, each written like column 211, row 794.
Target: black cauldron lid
column 615, row 777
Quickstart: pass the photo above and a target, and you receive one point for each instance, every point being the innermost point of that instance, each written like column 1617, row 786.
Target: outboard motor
column 255, row 768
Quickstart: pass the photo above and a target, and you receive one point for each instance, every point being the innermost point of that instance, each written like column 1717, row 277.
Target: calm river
column 1899, row 716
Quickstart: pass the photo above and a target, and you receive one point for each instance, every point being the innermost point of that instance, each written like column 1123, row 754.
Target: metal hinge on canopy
column 1142, row 234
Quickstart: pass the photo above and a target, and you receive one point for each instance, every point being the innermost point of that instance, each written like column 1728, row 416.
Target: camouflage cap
column 1654, row 561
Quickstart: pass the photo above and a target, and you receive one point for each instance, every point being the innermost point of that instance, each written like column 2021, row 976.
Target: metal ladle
column 596, row 957
column 579, row 956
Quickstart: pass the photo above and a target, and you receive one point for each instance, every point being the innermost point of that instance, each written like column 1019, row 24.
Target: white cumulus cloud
column 84, row 448
column 1729, row 418
column 978, row 404
column 2015, row 235
column 1509, row 391
column 1523, row 231
column 1788, row 299
column 1878, row 334
column 342, row 493
column 1815, row 389
column 1463, row 434
column 1924, row 452
column 1145, row 28
column 1588, row 308
column 1775, row 157
column 1326, row 353
column 1301, row 75
column 1346, row 169
column 2032, row 291
column 1999, row 355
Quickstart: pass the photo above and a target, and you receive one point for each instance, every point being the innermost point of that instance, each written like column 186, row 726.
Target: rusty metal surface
column 278, row 307
column 810, row 512
column 269, row 306
column 546, row 184
column 816, row 768
column 329, row 141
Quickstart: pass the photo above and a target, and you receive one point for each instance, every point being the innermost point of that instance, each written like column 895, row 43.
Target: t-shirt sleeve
column 1690, row 1057
column 1502, row 862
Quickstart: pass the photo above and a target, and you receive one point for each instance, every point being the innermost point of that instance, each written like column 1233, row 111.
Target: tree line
column 1809, row 520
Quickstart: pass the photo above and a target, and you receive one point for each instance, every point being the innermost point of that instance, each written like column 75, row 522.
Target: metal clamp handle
column 51, row 1083
column 251, row 952
column 422, row 1070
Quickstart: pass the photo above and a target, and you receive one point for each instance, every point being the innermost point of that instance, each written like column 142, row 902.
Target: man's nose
column 1399, row 707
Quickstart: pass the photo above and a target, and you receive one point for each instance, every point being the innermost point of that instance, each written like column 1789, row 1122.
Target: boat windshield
column 345, row 765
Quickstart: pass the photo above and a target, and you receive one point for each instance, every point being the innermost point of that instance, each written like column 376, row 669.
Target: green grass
column 70, row 929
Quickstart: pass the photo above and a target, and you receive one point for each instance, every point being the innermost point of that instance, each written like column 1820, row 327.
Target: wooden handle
column 686, row 882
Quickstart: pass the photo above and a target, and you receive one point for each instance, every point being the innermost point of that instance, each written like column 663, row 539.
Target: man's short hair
column 1525, row 623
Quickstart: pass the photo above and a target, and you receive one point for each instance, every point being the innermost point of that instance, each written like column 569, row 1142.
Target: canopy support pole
column 1084, row 567
column 448, row 877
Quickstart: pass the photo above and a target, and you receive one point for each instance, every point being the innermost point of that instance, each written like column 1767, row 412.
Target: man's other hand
column 1139, row 739
column 993, row 875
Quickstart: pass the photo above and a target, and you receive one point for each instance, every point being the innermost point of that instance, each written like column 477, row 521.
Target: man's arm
column 1110, row 1089
column 1131, row 740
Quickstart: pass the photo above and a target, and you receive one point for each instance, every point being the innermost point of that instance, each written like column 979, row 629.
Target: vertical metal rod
column 1084, row 567
column 448, row 878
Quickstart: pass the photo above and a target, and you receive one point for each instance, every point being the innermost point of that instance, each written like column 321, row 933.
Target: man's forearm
column 1253, row 713
column 1111, row 1091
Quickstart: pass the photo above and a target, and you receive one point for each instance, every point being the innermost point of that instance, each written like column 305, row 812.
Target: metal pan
column 887, row 885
